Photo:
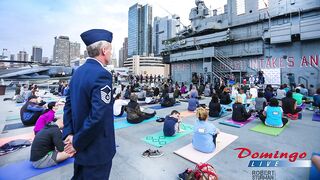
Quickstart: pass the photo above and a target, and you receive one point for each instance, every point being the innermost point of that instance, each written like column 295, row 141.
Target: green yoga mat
column 261, row 128
column 159, row 140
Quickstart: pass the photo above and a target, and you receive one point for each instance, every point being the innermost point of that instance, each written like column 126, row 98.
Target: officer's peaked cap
column 94, row 35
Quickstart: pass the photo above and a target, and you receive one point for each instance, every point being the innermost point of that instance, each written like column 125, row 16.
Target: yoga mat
column 316, row 117
column 124, row 123
column 187, row 113
column 28, row 136
column 19, row 104
column 189, row 153
column 17, row 117
column 223, row 115
column 25, row 170
column 124, row 115
column 261, row 128
column 314, row 172
column 13, row 117
column 159, row 140
column 232, row 123
column 13, row 126
column 157, row 107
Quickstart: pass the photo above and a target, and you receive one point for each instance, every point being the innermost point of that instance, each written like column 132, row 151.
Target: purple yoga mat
column 233, row 123
column 316, row 117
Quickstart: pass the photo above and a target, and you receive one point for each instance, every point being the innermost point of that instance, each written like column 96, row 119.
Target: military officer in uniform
column 88, row 112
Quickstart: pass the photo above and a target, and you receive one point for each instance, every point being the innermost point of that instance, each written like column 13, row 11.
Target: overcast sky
column 25, row 23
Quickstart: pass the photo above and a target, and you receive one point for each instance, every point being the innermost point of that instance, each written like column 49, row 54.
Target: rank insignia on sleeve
column 106, row 94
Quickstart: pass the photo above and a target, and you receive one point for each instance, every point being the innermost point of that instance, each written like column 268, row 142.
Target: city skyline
column 36, row 23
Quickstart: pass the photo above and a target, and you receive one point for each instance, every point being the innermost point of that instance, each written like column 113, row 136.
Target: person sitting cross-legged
column 134, row 113
column 204, row 133
column 289, row 105
column 215, row 109
column 47, row 117
column 119, row 106
column 193, row 102
column 298, row 97
column 239, row 112
column 172, row 123
column 31, row 111
column 47, row 147
column 273, row 115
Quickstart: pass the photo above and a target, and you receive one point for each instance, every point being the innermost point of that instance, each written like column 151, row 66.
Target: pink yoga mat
column 240, row 123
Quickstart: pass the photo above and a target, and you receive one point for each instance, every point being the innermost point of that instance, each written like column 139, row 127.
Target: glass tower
column 139, row 30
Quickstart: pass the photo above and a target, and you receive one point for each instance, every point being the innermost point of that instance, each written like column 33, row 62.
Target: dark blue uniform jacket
column 88, row 114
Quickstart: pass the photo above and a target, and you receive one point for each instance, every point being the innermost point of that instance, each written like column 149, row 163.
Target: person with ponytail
column 47, row 116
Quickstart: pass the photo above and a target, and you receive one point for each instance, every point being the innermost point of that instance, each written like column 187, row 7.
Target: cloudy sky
column 24, row 23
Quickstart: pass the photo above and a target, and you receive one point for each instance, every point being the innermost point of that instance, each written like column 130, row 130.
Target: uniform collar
column 96, row 60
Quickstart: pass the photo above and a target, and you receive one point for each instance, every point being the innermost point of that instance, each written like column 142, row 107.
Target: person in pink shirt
column 46, row 117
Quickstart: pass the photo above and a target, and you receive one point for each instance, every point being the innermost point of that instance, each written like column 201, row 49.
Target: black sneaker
column 146, row 153
column 184, row 174
column 155, row 154
column 160, row 120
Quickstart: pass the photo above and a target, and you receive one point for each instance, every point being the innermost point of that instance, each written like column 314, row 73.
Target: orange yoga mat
column 187, row 113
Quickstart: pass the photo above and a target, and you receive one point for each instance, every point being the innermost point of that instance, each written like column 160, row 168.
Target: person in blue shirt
column 272, row 115
column 172, row 124
column 31, row 111
column 193, row 103
column 204, row 133
column 88, row 111
column 316, row 99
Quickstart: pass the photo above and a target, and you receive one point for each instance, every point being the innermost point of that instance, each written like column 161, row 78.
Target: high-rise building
column 22, row 56
column 140, row 30
column 61, row 51
column 121, row 60
column 12, row 57
column 64, row 51
column 163, row 29
column 36, row 54
column 85, row 54
column 123, row 52
column 45, row 60
column 114, row 59
column 74, row 50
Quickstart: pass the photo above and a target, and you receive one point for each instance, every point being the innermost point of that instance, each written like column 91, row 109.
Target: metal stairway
column 225, row 62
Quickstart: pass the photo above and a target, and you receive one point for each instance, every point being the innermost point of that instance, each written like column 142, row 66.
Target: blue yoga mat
column 25, row 170
column 124, row 115
column 124, row 123
column 19, row 104
column 157, row 107
column 314, row 172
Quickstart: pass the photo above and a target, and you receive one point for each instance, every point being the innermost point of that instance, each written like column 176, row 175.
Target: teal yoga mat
column 223, row 115
column 124, row 123
column 159, row 140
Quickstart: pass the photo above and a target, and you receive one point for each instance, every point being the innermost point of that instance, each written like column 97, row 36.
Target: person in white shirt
column 119, row 106
column 243, row 96
column 234, row 92
column 281, row 93
column 253, row 91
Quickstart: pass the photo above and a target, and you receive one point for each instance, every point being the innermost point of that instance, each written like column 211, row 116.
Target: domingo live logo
column 274, row 159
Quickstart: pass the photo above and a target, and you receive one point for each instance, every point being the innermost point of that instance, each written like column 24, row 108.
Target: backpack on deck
column 202, row 171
